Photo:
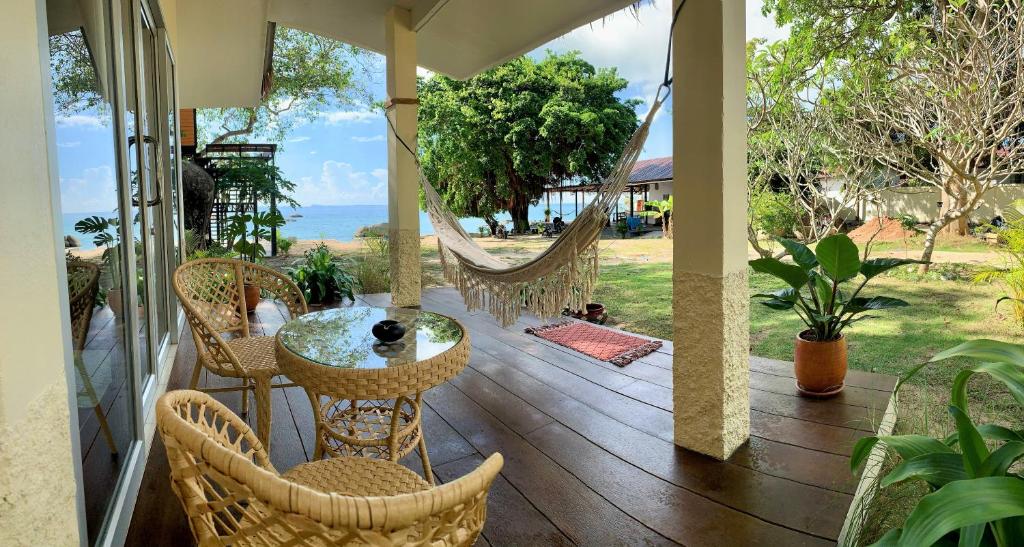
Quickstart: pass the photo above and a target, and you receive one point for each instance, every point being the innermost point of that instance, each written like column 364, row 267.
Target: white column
column 710, row 303
column 403, row 181
column 38, row 454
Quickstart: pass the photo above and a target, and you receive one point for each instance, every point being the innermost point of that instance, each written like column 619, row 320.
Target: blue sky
column 341, row 158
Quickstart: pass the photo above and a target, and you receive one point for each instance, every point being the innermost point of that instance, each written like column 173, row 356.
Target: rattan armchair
column 212, row 293
column 234, row 496
column 83, row 284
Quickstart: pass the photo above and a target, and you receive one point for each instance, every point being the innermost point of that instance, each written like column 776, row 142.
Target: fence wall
column 922, row 204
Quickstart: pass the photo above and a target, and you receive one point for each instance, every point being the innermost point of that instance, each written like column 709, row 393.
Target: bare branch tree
column 949, row 111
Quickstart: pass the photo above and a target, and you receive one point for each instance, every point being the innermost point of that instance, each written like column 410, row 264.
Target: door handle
column 148, row 139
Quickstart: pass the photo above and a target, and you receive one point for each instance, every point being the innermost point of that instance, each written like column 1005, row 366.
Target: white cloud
column 375, row 138
column 759, row 26
column 341, row 184
column 299, row 139
column 636, row 45
column 81, row 120
column 355, row 116
column 69, row 144
column 95, row 190
column 424, row 73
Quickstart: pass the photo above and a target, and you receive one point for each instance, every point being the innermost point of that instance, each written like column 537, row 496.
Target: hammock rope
column 565, row 274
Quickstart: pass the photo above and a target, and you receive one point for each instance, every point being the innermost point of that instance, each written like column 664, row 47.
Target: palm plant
column 662, row 211
column 975, row 498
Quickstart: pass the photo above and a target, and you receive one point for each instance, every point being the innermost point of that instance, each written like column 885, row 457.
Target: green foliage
column 1011, row 236
column 312, row 74
column 320, row 278
column 106, row 235
column 256, row 181
column 373, row 265
column 815, row 280
column 974, row 497
column 491, row 143
column 75, row 88
column 284, row 244
column 622, row 228
column 256, row 226
column 774, row 214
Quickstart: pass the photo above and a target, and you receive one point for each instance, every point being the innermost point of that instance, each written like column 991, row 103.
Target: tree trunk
column 520, row 212
column 929, row 245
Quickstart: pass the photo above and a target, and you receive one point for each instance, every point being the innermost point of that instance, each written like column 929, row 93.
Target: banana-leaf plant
column 815, row 285
column 256, row 226
column 976, row 498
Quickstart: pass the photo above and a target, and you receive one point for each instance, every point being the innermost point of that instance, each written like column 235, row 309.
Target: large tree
column 493, row 142
column 312, row 74
column 949, row 109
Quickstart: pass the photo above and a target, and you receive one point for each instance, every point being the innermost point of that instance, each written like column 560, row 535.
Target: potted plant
column 547, row 215
column 247, row 232
column 815, row 293
column 622, row 228
column 320, row 278
column 107, row 236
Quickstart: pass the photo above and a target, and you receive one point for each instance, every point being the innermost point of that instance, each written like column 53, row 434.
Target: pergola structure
column 459, row 38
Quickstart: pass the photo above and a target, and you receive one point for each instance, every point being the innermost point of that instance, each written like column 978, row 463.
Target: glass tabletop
column 341, row 337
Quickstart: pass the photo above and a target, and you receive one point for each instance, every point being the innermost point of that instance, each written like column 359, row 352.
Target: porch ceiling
column 221, row 44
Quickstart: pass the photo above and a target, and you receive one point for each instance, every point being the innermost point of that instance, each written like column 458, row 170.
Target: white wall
column 922, row 203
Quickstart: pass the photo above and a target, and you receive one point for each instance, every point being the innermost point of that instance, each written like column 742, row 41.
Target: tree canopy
column 491, row 143
column 312, row 74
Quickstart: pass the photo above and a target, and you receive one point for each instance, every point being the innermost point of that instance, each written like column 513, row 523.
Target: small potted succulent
column 815, row 293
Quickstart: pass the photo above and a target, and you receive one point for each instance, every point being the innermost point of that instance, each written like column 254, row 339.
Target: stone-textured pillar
column 403, row 181
column 38, row 454
column 709, row 279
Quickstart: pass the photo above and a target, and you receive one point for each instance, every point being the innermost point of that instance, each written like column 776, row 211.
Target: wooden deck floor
column 588, row 449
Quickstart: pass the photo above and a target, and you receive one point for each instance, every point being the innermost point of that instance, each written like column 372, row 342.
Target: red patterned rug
column 604, row 344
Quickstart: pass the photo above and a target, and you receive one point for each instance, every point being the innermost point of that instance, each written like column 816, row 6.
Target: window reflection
column 95, row 252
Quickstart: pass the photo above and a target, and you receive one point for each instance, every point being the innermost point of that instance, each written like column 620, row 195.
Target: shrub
column 284, row 244
column 1011, row 236
column 373, row 265
column 320, row 278
column 773, row 214
column 974, row 498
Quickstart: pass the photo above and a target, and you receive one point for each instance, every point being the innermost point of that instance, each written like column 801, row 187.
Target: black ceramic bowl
column 388, row 331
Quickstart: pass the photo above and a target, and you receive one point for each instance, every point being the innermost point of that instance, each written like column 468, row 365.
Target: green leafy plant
column 622, row 228
column 320, row 278
column 1011, row 275
column 975, row 498
column 255, row 226
column 284, row 244
column 105, row 234
column 373, row 265
column 816, row 280
column 662, row 211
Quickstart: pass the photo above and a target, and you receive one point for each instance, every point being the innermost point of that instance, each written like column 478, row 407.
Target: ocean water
column 341, row 222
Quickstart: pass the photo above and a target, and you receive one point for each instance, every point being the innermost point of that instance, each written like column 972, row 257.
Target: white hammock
column 562, row 276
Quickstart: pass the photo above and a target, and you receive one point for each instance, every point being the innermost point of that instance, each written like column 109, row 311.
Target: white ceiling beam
column 424, row 11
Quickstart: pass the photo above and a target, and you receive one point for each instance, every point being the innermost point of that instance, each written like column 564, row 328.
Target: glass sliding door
column 100, row 258
column 150, row 219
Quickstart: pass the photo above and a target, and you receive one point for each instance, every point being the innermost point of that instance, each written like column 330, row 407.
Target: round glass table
column 367, row 395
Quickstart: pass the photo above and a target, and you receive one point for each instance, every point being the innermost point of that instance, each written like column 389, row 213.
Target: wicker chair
column 212, row 290
column 234, row 496
column 83, row 284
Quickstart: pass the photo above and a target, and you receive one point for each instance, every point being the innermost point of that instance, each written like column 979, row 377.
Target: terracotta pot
column 252, row 297
column 820, row 367
column 595, row 311
column 114, row 300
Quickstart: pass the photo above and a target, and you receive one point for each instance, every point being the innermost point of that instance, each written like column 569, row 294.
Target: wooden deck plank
column 579, row 512
column 588, row 446
column 511, row 518
column 724, row 482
